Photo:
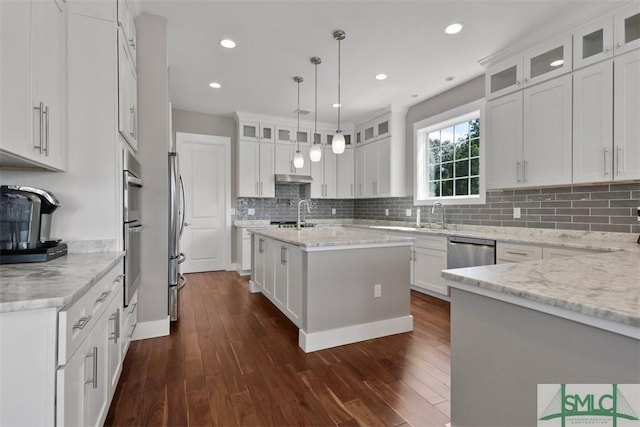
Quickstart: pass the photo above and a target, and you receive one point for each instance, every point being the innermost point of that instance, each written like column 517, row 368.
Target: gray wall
column 209, row 124
column 153, row 141
column 463, row 94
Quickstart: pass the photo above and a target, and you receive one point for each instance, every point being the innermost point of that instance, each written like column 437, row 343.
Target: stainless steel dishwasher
column 470, row 252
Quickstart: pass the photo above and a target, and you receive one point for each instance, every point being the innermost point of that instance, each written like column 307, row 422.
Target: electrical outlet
column 251, row 211
column 333, row 211
column 386, row 212
column 516, row 213
column 377, row 290
column 408, row 212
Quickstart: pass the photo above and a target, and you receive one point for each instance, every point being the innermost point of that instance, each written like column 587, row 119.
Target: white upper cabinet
column 626, row 25
column 547, row 133
column 504, row 78
column 126, row 22
column 33, row 81
column 626, row 123
column 258, row 132
column 302, row 136
column 593, row 123
column 504, row 141
column 128, row 92
column 345, row 188
column 255, row 170
column 324, row 175
column 548, row 60
column 529, row 136
column 284, row 134
column 593, row 42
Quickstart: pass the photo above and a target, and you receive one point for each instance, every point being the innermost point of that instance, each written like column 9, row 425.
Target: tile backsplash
column 606, row 207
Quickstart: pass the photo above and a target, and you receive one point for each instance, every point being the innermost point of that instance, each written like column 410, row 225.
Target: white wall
column 90, row 189
column 153, row 143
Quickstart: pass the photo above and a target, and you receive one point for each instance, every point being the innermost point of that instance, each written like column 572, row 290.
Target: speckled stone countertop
column 323, row 237
column 56, row 283
column 605, row 286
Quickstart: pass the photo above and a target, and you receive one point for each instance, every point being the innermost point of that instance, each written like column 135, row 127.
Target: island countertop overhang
column 329, row 238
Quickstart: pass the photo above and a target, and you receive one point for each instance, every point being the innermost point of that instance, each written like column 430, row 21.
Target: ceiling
column 403, row 39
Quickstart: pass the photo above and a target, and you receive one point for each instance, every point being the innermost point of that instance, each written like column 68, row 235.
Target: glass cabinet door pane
column 593, row 43
column 249, row 131
column 504, row 79
column 547, row 61
column 267, row 133
column 632, row 28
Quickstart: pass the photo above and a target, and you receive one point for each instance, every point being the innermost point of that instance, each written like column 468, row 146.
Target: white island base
column 329, row 292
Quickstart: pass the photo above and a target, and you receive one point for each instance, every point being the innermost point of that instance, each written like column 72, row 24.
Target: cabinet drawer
column 431, row 242
column 76, row 321
column 551, row 252
column 129, row 322
column 509, row 252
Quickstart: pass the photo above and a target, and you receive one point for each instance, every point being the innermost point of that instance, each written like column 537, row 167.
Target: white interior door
column 205, row 167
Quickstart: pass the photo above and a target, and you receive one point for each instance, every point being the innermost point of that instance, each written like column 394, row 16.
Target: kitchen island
column 558, row 321
column 337, row 285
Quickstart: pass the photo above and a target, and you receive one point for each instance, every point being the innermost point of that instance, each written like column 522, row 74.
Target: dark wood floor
column 233, row 359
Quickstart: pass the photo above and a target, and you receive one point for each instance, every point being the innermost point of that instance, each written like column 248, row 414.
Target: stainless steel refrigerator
column 177, row 206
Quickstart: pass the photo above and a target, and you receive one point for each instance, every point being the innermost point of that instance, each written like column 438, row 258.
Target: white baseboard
column 350, row 334
column 153, row 329
column 430, row 293
column 254, row 288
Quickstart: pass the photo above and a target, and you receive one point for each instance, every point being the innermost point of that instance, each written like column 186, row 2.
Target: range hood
column 294, row 179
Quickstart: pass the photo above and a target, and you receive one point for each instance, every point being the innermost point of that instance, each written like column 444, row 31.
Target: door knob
column 186, row 224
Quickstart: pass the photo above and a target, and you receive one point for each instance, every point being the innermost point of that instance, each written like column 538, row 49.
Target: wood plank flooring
column 233, row 360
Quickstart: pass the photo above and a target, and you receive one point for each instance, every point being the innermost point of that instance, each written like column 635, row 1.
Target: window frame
column 421, row 130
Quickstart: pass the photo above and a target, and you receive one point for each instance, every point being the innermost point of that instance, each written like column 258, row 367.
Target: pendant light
column 298, row 160
column 315, row 154
column 337, row 145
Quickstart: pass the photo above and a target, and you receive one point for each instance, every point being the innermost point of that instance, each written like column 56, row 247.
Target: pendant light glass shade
column 337, row 144
column 298, row 160
column 316, row 153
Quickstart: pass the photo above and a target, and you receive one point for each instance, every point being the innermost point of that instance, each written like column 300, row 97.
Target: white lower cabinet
column 429, row 259
column 277, row 270
column 243, row 249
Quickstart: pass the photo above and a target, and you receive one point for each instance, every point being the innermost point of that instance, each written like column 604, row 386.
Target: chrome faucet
column 306, row 202
column 433, row 210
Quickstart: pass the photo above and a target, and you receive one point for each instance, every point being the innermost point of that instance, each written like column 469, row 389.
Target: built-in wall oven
column 132, row 224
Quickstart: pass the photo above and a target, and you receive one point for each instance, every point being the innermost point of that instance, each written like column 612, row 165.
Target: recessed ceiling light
column 336, row 105
column 381, row 76
column 557, row 63
column 228, row 43
column 449, row 78
column 415, row 95
column 215, row 85
column 454, row 28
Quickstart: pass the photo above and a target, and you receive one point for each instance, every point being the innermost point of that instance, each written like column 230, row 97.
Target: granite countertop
column 322, row 237
column 605, row 285
column 56, row 283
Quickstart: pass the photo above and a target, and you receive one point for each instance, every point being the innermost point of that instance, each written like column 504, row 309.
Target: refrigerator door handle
column 184, row 208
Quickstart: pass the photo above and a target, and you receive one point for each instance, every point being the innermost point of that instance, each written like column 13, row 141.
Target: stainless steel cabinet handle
column 283, row 255
column 260, row 249
column 133, row 308
column 517, row 253
column 132, row 112
column 524, row 171
column 118, row 278
column 103, row 296
column 518, row 171
column 605, row 161
column 93, row 355
column 82, row 322
column 261, row 188
column 618, row 152
column 116, row 326
column 132, row 43
column 352, row 190
column 133, row 328
column 46, row 134
column 40, row 108
column 257, row 189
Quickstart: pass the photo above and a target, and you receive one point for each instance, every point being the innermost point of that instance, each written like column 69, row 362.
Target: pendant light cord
column 315, row 119
column 298, row 131
column 339, row 102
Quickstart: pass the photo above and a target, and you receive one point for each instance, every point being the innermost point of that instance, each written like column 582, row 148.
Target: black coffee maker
column 25, row 225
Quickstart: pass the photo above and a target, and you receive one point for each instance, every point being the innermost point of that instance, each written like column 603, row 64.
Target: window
column 448, row 157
